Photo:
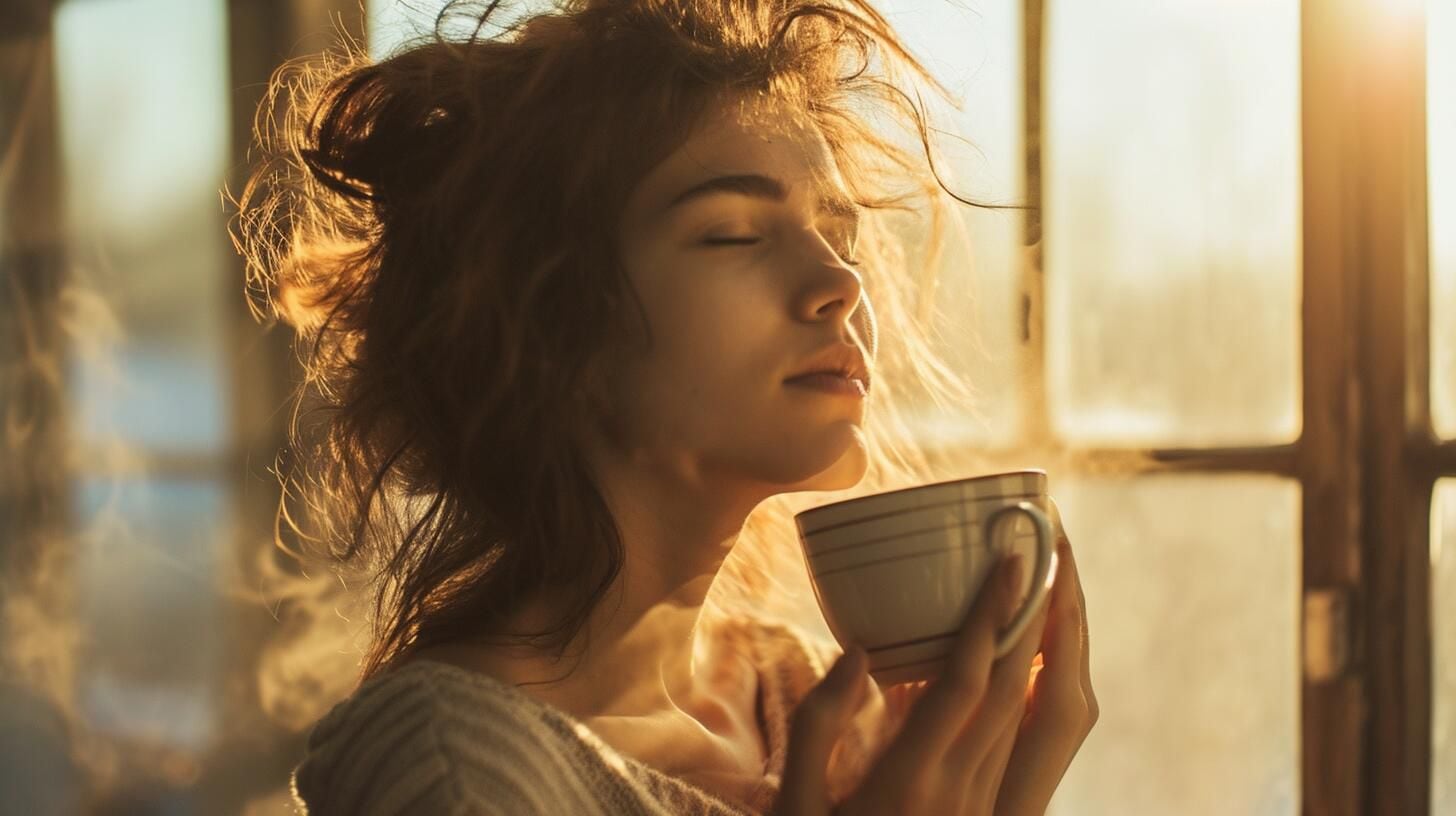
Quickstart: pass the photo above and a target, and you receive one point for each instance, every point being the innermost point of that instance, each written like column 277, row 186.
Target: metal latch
column 1327, row 630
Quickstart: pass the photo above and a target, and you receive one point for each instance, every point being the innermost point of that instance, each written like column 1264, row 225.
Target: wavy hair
column 432, row 226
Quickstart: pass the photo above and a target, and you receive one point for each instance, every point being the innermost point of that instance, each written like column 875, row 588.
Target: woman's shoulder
column 434, row 738
column 414, row 694
column 430, row 736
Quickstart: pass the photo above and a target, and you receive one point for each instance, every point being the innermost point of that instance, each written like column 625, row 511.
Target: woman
column 587, row 309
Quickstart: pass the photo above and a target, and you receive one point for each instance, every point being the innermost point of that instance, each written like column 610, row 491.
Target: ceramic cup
column 897, row 572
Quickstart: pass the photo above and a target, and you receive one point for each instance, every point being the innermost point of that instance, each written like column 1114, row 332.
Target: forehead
column 742, row 139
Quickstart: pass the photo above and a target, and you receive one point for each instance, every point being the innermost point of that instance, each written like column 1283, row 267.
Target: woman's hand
column 1061, row 707
column 951, row 753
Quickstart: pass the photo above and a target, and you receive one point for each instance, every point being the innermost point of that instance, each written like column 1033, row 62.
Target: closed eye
column 749, row 240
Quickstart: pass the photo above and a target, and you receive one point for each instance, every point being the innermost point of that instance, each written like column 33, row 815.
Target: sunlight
column 1405, row 10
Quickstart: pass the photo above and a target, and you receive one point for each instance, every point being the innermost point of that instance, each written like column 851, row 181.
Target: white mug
column 896, row 573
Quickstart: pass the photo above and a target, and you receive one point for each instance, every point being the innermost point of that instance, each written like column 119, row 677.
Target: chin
column 846, row 471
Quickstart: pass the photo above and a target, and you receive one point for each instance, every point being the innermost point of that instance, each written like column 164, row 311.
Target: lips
column 831, row 382
column 837, row 367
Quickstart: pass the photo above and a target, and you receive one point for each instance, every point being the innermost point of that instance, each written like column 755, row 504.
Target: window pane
column 149, row 250
column 152, row 624
column 1172, row 221
column 1441, row 149
column 1443, row 655
column 390, row 24
column 1193, row 587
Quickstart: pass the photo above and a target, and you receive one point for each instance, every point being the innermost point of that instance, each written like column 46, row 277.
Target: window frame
column 1367, row 444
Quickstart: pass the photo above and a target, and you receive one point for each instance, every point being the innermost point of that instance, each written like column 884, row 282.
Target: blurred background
column 1229, row 333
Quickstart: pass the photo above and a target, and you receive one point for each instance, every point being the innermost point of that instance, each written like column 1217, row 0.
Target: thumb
column 817, row 725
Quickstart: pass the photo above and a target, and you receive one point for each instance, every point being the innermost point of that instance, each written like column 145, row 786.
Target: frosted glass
column 1173, row 221
column 1441, row 148
column 390, row 24
column 145, row 80
column 1193, row 587
column 1443, row 656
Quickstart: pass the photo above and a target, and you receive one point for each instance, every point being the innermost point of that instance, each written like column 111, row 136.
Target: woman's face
column 738, row 246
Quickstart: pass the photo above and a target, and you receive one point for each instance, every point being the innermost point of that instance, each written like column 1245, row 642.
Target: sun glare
column 1403, row 9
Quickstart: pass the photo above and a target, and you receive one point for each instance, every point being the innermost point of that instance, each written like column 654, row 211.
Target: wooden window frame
column 1367, row 458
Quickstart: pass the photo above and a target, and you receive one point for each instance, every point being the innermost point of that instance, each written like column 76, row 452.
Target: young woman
column 587, row 311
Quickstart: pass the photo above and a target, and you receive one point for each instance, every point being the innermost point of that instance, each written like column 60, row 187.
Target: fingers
column 1066, row 642
column 818, row 722
column 1064, row 637
column 942, row 711
column 1070, row 604
column 900, row 699
column 1005, row 697
column 986, row 782
column 1084, row 629
column 1066, row 645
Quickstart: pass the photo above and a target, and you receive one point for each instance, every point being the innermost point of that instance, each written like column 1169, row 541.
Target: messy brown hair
column 438, row 228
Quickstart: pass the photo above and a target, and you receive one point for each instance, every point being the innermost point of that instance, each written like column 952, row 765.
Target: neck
column 634, row 655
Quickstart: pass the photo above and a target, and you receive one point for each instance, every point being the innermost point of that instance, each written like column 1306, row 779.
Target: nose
column 833, row 292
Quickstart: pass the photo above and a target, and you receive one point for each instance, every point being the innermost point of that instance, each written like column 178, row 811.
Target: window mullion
column 1332, row 701
column 1440, row 459
column 1035, row 426
column 1281, row 459
column 1394, row 388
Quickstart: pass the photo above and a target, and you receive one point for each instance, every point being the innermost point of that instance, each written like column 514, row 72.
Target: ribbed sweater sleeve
column 430, row 738
column 434, row 739
column 423, row 740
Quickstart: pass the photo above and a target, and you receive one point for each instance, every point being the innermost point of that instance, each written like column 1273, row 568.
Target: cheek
column 715, row 337
column 697, row 383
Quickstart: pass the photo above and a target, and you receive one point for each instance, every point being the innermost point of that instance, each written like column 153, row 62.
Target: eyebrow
column 763, row 187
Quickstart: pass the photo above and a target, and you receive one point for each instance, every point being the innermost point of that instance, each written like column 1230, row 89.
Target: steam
column 42, row 635
column 312, row 659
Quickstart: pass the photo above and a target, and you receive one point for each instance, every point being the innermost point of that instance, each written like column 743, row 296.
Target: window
column 1163, row 311
column 1216, row 280
column 144, row 127
column 1171, row 172
column 1192, row 584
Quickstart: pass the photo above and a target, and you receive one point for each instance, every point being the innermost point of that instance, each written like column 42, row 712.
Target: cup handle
column 1045, row 553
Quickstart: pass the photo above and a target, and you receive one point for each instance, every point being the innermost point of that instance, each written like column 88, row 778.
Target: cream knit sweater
column 430, row 738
